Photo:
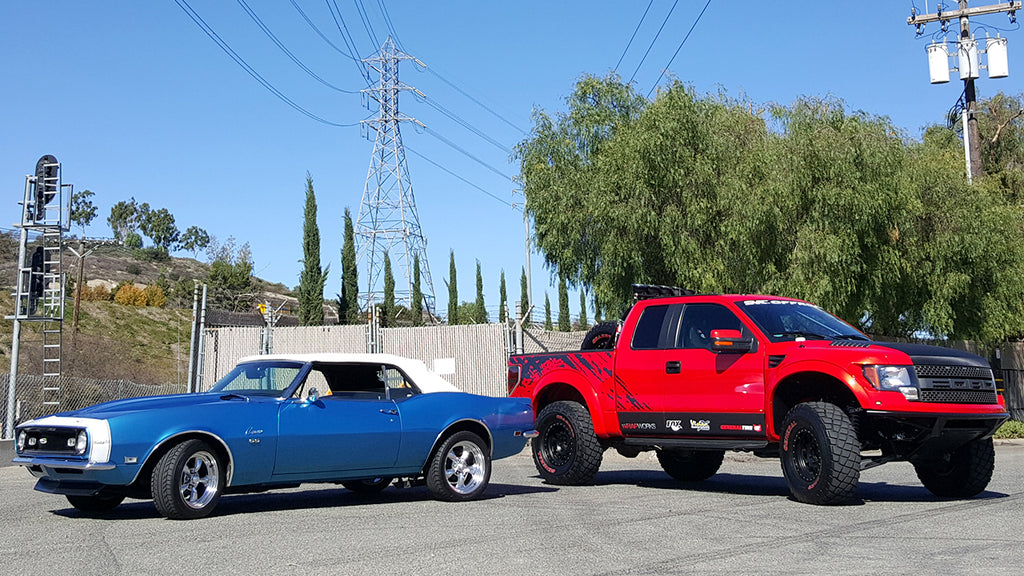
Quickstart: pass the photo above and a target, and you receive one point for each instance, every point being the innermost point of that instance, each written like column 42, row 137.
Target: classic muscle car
column 361, row 420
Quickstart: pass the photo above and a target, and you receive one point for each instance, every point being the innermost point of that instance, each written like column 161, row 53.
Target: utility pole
column 967, row 49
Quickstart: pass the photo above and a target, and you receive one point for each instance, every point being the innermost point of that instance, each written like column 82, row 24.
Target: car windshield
column 264, row 378
column 791, row 319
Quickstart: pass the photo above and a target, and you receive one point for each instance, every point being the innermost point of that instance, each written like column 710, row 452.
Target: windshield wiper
column 811, row 335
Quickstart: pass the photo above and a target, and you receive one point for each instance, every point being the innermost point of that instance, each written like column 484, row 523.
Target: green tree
column 524, row 293
column 547, row 313
column 231, row 283
column 125, row 218
column 583, row 309
column 480, row 315
column 387, row 308
column 348, row 300
column 503, row 300
column 564, row 322
column 159, row 226
column 416, row 306
column 453, row 292
column 83, row 211
column 194, row 239
column 312, row 279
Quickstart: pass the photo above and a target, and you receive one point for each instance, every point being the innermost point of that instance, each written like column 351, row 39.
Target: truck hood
column 936, row 355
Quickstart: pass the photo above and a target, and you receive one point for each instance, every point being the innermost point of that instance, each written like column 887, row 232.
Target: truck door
column 714, row 394
column 643, row 365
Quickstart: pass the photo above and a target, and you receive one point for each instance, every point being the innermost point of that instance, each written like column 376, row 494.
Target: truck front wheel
column 820, row 454
column 566, row 450
column 963, row 473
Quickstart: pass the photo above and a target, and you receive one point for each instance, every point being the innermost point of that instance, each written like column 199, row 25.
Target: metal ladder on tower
column 53, row 315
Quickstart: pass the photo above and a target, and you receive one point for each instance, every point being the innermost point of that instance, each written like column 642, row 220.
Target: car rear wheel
column 963, row 473
column 368, row 485
column 187, row 481
column 460, row 469
column 96, row 503
column 820, row 454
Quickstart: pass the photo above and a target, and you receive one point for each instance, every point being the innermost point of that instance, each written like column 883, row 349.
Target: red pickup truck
column 691, row 376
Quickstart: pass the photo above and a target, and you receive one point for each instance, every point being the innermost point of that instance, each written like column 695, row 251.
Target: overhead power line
column 475, row 101
column 492, row 195
column 266, row 30
column 462, row 150
column 456, row 118
column 367, row 26
column 665, row 21
column 685, row 38
column 637, row 29
column 319, row 32
column 184, row 5
column 339, row 21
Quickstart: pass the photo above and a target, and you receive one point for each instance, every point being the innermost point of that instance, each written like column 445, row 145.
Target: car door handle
column 673, row 367
column 389, row 412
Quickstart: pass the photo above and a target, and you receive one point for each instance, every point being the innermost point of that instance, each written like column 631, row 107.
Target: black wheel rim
column 558, row 444
column 806, row 454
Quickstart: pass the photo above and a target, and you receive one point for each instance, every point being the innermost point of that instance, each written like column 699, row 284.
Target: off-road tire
column 95, row 504
column 691, row 465
column 600, row 337
column 460, row 469
column 963, row 473
column 820, row 454
column 566, row 450
column 188, row 481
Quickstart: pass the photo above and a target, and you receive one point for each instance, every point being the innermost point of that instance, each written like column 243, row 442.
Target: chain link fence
column 75, row 393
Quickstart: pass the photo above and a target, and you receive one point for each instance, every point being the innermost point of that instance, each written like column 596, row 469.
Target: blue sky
column 135, row 100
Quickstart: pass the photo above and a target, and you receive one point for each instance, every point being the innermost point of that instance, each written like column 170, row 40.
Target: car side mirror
column 730, row 342
column 313, row 396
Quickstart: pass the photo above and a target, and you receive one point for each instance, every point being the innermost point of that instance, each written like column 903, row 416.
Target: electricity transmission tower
column 388, row 222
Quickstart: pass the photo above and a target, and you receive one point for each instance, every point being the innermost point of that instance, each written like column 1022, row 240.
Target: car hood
column 147, row 403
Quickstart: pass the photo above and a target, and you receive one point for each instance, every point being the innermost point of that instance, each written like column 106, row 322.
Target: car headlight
column 81, row 442
column 21, row 441
column 893, row 378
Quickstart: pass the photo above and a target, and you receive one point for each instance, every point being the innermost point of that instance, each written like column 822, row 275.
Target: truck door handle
column 389, row 412
column 673, row 367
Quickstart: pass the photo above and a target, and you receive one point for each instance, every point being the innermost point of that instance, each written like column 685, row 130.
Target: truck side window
column 648, row 330
column 700, row 319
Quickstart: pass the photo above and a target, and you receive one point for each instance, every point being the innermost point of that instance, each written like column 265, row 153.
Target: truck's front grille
column 956, row 384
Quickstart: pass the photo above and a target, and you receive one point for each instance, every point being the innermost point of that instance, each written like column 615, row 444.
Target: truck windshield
column 791, row 319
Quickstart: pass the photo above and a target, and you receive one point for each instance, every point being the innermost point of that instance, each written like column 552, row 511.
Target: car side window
column 700, row 319
column 315, row 379
column 399, row 387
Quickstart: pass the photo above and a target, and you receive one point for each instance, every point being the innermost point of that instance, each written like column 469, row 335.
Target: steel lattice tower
column 388, row 222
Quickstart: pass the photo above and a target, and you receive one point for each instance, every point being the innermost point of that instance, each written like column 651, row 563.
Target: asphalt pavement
column 633, row 520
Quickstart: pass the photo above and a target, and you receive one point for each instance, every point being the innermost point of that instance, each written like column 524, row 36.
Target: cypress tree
column 583, row 309
column 547, row 313
column 453, row 293
column 387, row 309
column 348, row 300
column 481, row 309
column 416, row 305
column 502, row 316
column 524, row 296
column 312, row 278
column 564, row 323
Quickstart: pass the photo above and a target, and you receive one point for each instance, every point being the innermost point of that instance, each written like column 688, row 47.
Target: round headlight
column 82, row 442
column 21, row 441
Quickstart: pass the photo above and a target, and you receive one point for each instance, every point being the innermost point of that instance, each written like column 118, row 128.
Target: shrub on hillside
column 130, row 295
column 155, row 296
column 95, row 294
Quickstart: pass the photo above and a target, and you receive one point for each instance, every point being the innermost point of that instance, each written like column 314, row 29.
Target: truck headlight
column 893, row 378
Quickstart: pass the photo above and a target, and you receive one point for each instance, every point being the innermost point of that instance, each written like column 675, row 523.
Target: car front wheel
column 188, row 481
column 461, row 468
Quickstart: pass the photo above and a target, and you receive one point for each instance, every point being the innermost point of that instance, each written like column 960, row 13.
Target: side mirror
column 313, row 396
column 730, row 342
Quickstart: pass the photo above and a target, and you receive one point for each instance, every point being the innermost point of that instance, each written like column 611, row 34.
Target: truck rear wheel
column 820, row 454
column 566, row 450
column 963, row 473
column 691, row 465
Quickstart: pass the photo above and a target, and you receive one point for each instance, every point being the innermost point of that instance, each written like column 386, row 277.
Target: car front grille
column 50, row 441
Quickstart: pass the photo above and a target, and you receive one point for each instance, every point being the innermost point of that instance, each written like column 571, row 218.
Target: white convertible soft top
column 425, row 380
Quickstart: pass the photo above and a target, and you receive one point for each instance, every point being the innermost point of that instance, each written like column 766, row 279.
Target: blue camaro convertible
column 275, row 421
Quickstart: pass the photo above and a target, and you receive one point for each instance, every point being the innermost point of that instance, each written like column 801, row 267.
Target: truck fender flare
column 582, row 387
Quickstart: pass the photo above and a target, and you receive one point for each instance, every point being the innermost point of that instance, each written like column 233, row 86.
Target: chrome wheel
column 199, row 481
column 465, row 468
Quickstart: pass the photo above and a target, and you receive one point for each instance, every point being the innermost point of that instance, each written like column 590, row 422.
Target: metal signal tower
column 388, row 222
column 39, row 290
